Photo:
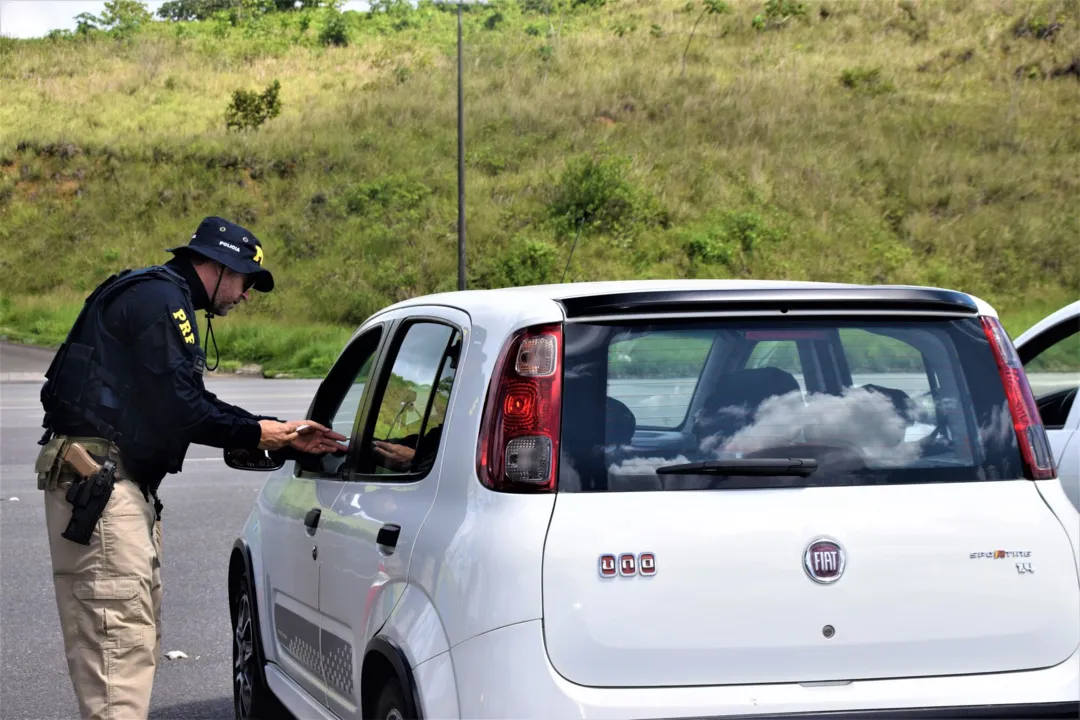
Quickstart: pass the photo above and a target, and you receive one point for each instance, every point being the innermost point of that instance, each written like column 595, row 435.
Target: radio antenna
column 572, row 247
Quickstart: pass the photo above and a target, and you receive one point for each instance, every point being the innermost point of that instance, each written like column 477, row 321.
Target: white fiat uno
column 666, row 499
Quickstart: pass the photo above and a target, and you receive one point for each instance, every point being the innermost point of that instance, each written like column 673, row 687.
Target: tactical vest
column 89, row 382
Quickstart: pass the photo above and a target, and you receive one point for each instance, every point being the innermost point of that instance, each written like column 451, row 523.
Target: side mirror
column 242, row 459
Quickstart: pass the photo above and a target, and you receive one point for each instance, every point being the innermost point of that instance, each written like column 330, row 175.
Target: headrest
column 621, row 423
column 734, row 402
column 749, row 388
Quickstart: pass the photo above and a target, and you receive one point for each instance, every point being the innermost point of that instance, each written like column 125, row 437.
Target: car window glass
column 924, row 403
column 876, row 359
column 345, row 416
column 655, row 375
column 412, row 406
column 782, row 354
column 340, row 395
column 1054, row 375
column 440, row 400
column 1061, row 358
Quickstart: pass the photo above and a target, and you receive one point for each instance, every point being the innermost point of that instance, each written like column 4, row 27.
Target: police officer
column 127, row 387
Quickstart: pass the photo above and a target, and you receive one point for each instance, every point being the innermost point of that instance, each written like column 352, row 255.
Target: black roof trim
column 782, row 299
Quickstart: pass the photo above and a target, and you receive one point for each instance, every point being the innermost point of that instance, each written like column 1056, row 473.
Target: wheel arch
column 384, row 659
column 240, row 564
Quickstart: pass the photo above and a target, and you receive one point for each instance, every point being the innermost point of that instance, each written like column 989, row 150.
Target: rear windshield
column 871, row 401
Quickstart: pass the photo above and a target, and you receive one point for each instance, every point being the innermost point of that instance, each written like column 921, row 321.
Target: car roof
column 466, row 299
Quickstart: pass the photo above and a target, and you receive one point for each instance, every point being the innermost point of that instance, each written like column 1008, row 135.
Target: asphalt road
column 205, row 508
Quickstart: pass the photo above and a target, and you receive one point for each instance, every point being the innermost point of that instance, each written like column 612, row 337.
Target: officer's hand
column 319, row 441
column 276, row 435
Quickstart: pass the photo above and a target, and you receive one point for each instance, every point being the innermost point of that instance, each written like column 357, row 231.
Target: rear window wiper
column 801, row 467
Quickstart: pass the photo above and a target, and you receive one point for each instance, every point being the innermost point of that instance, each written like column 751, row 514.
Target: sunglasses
column 249, row 282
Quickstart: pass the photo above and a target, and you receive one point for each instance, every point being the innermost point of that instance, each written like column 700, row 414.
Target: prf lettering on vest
column 185, row 326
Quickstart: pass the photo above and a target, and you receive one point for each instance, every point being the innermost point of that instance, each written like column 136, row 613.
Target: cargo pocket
column 110, row 612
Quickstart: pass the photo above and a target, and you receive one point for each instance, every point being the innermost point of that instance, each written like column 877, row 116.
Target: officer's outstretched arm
column 229, row 407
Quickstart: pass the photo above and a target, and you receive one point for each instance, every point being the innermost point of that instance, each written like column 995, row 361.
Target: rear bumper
column 1045, row 711
column 506, row 673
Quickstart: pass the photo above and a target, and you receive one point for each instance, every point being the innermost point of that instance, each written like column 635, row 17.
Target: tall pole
column 461, row 162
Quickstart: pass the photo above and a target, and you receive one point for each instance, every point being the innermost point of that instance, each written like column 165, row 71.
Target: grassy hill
column 929, row 141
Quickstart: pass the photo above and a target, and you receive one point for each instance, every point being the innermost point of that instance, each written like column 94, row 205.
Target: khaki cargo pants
column 108, row 592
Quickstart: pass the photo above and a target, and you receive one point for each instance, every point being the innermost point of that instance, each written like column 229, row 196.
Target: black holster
column 88, row 498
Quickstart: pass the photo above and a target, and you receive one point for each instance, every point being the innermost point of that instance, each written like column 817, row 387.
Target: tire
column 252, row 699
column 391, row 703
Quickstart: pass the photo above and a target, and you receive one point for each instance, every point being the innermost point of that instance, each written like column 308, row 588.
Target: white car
column 666, row 499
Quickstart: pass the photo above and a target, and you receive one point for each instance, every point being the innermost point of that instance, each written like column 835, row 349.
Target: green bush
column 866, row 80
column 777, row 13
column 391, row 193
column 781, row 10
column 1039, row 26
column 525, row 262
column 335, row 31
column 597, row 196
column 249, row 109
column 747, row 229
column 708, row 247
column 731, row 237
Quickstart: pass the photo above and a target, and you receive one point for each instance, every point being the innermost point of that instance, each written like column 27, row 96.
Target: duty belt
column 103, row 448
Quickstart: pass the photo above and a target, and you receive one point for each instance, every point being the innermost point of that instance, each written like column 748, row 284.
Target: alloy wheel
column 243, row 659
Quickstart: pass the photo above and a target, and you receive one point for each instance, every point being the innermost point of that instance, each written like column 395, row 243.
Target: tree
column 121, row 18
column 188, row 10
column 712, row 7
column 85, row 22
column 124, row 17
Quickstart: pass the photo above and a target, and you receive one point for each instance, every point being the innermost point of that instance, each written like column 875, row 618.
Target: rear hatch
column 839, row 497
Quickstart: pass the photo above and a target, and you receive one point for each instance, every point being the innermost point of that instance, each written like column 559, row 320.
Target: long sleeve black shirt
column 157, row 322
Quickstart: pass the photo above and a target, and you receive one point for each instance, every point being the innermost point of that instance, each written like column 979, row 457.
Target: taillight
column 1030, row 434
column 519, row 435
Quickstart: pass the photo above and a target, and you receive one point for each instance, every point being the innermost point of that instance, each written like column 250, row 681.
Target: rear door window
column 872, row 402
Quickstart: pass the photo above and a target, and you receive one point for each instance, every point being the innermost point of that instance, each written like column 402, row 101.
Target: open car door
column 1050, row 352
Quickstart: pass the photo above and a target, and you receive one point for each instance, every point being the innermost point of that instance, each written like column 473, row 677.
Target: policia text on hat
column 123, row 400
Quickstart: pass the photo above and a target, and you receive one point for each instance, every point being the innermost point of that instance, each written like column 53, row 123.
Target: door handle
column 312, row 520
column 388, row 536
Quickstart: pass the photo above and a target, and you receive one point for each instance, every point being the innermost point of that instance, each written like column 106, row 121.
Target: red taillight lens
column 1030, row 434
column 519, row 435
